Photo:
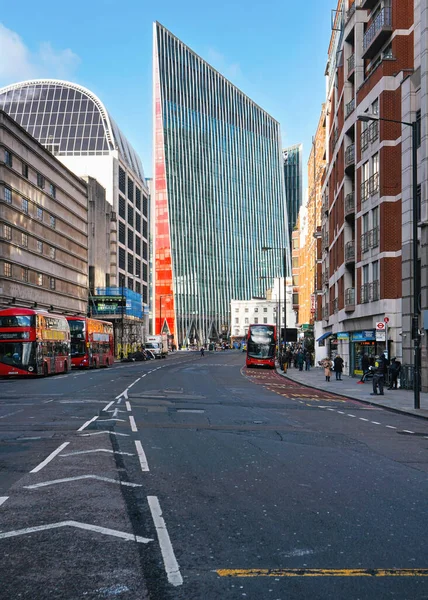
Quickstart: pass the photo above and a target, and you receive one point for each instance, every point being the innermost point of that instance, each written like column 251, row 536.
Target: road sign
column 380, row 326
column 386, row 320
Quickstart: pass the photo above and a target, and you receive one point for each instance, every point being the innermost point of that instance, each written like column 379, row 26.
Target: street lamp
column 415, row 270
column 284, row 268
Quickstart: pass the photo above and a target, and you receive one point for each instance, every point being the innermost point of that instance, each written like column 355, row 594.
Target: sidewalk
column 397, row 400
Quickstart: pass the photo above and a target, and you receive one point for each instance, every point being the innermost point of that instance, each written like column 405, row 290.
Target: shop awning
column 323, row 336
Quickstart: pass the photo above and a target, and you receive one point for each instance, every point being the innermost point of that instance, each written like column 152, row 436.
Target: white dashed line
column 133, row 425
column 332, row 409
column 390, row 427
column 49, row 458
column 375, row 422
column 363, row 419
column 107, row 406
column 349, row 415
column 407, row 431
column 128, row 406
column 170, row 562
column 141, row 456
column 340, row 412
column 87, row 423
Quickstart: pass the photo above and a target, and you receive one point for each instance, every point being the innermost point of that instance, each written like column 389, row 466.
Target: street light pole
column 284, row 267
column 415, row 258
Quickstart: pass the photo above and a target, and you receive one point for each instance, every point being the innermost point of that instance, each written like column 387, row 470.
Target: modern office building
column 218, row 194
column 293, row 162
column 75, row 126
column 43, row 226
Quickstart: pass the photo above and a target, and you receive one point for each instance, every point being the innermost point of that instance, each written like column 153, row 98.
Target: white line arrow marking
column 99, row 450
column 133, row 425
column 107, row 406
column 100, row 432
column 49, row 458
column 84, row 426
column 67, row 479
column 128, row 406
column 87, row 526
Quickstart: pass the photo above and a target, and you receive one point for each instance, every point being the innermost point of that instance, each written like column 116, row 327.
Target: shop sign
column 343, row 335
column 364, row 336
column 380, row 336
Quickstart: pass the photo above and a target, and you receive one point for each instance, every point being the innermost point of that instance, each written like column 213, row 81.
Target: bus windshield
column 17, row 321
column 77, row 335
column 261, row 342
column 17, row 354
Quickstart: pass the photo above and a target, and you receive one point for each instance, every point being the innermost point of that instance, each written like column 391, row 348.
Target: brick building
column 370, row 57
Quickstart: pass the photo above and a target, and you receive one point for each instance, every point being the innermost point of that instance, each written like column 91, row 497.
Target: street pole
column 416, row 273
column 160, row 314
column 284, row 267
column 123, row 320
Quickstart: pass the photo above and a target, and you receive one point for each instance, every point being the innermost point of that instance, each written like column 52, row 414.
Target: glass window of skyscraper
column 218, row 194
column 293, row 183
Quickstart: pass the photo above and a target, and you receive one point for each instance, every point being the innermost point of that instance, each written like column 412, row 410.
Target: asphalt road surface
column 195, row 478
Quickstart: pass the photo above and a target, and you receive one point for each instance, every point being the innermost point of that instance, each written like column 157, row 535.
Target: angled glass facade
column 218, row 194
column 293, row 183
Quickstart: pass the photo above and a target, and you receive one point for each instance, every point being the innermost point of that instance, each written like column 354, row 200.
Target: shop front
column 362, row 342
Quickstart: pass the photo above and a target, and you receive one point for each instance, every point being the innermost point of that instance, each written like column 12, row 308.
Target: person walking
column 326, row 363
column 338, row 367
column 394, row 372
column 379, row 375
column 365, row 363
column 202, row 351
column 300, row 360
column 307, row 360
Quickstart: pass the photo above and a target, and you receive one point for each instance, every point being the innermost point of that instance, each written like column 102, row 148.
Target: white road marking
column 331, row 409
column 349, row 415
column 84, row 426
column 171, row 565
column 407, row 431
column 98, row 450
column 116, row 410
column 100, row 432
column 141, row 456
column 128, row 406
column 110, row 419
column 390, row 426
column 363, row 419
column 67, row 479
column 375, row 422
column 3, row 499
column 341, row 412
column 136, row 381
column 47, row 401
column 49, row 458
column 30, row 438
column 119, row 401
column 108, row 405
column 87, row 526
column 12, row 413
column 133, row 425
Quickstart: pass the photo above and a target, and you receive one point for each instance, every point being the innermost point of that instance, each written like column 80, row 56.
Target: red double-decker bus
column 33, row 342
column 92, row 342
column 261, row 346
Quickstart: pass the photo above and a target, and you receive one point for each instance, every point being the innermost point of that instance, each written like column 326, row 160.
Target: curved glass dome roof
column 67, row 118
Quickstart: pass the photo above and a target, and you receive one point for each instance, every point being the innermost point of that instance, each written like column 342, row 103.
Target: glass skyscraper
column 218, row 195
column 293, row 183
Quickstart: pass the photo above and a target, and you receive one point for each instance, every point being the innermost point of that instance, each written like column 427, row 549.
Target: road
column 195, row 478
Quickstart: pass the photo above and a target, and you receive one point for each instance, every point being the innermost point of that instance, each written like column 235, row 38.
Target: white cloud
column 18, row 62
column 219, row 62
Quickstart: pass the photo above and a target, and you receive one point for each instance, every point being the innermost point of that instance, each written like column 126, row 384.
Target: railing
column 374, row 290
column 325, row 277
column 350, row 11
column 374, row 237
column 350, row 298
column 373, row 184
column 365, row 241
column 382, row 19
column 350, row 251
column 365, row 293
column 369, row 135
column 349, row 203
column 364, row 190
column 350, row 155
column 349, row 108
column 351, row 63
column 336, row 305
column 325, row 312
column 325, row 240
column 325, row 204
column 407, row 377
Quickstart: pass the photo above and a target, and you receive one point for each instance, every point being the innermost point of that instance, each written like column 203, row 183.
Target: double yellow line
column 322, row 572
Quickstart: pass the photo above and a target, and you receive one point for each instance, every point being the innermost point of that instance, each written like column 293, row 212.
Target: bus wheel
column 45, row 370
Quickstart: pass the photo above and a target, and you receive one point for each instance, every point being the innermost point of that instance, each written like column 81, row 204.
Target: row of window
column 126, row 262
column 129, row 214
column 27, row 276
column 41, row 181
column 256, row 320
column 23, row 241
column 132, row 192
column 39, row 212
column 256, row 309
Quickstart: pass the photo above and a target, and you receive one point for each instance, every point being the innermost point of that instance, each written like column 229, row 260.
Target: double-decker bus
column 33, row 342
column 92, row 342
column 261, row 346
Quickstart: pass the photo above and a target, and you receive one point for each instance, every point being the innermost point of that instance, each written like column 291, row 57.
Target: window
column 145, row 250
column 24, row 275
column 265, row 310
column 375, row 270
column 7, row 269
column 375, row 217
column 365, row 274
column 51, row 283
column 237, row 320
column 130, row 215
column 52, row 190
column 145, row 272
column 130, row 263
column 137, row 245
column 145, row 294
column 138, row 287
column 375, row 163
column 121, row 258
column 246, row 309
column 7, row 232
column 39, row 279
column 25, row 170
column 122, row 230
column 137, row 222
column 256, row 320
column 144, row 232
column 7, row 195
column 264, row 320
column 52, row 221
column 237, row 310
column 256, row 309
column 40, row 181
column 39, row 213
column 246, row 320
column 375, row 107
column 52, row 252
column 138, row 198
column 295, row 262
column 122, row 180
column 24, row 240
column 138, row 267
column 8, row 158
column 122, row 207
column 39, row 246
column 130, row 190
column 130, row 239
column 25, row 205
column 145, row 206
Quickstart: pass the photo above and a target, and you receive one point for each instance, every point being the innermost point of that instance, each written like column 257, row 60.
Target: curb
column 390, row 408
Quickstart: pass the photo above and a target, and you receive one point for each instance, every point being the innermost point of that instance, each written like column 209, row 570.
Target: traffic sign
column 380, row 326
column 386, row 319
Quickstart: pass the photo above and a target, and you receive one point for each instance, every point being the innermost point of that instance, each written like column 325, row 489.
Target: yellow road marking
column 322, row 572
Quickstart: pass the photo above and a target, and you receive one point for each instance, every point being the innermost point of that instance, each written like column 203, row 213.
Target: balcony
column 373, row 183
column 349, row 108
column 374, row 237
column 325, row 240
column 377, row 33
column 325, row 312
column 365, row 191
column 350, row 156
column 368, row 4
column 365, row 242
column 325, row 277
column 370, row 292
column 350, row 205
column 350, row 299
column 369, row 135
column 365, row 293
column 335, row 305
column 350, row 252
column 325, row 205
column 351, row 66
column 351, row 10
column 374, row 290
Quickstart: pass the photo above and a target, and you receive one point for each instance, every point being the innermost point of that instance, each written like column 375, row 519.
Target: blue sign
column 342, row 335
column 368, row 335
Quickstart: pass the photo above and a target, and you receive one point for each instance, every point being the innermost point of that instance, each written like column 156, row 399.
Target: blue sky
column 276, row 53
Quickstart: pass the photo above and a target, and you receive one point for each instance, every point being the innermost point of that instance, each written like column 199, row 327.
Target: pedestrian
column 202, row 351
column 365, row 363
column 379, row 375
column 326, row 363
column 338, row 367
column 394, row 372
column 300, row 360
column 307, row 360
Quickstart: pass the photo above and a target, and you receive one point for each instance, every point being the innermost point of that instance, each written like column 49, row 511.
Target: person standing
column 300, row 360
column 338, row 367
column 365, row 363
column 394, row 372
column 379, row 375
column 326, row 363
column 307, row 360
